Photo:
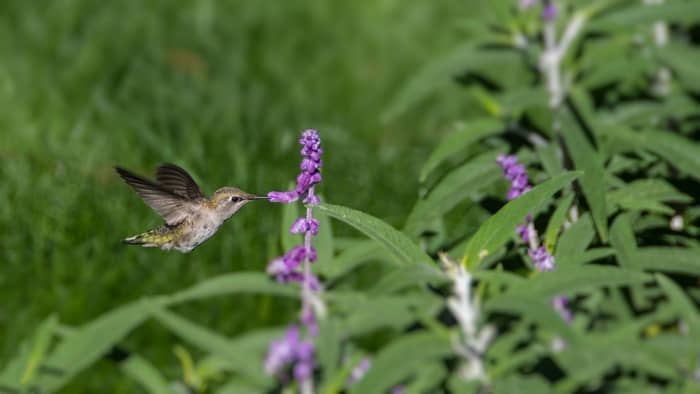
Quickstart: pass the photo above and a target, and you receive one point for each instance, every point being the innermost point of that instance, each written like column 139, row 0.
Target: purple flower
column 542, row 259
column 283, row 197
column 284, row 268
column 303, row 225
column 282, row 352
column 516, row 174
column 290, row 350
column 561, row 305
column 310, row 171
column 360, row 370
column 549, row 12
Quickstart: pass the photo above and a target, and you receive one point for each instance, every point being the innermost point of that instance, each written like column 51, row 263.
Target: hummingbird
column 190, row 217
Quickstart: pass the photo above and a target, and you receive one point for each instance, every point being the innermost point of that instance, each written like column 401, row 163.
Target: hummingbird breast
column 199, row 228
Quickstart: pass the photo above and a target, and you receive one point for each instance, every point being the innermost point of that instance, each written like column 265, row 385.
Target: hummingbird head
column 228, row 200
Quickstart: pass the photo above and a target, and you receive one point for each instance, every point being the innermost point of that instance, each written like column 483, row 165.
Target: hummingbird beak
column 254, row 197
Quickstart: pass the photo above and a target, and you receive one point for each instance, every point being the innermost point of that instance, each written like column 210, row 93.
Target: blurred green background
column 222, row 88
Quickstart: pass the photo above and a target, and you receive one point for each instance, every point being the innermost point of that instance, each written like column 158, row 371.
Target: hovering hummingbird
column 190, row 217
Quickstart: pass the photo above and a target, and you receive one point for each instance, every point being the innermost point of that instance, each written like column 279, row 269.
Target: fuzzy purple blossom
column 542, row 259
column 290, row 350
column 359, row 371
column 516, row 174
column 561, row 305
column 310, row 171
column 549, row 12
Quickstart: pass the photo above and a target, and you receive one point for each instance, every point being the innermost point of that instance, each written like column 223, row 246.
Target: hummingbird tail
column 158, row 237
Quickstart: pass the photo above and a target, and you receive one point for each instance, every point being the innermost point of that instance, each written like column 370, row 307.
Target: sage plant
column 295, row 266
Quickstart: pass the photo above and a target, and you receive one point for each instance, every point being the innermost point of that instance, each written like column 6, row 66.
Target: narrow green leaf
column 574, row 241
column 459, row 140
column 587, row 160
column 141, row 370
column 243, row 354
column 40, row 346
column 669, row 259
column 328, row 347
column 556, row 222
column 575, row 278
column 90, row 342
column 677, row 150
column 683, row 59
column 290, row 213
column 401, row 359
column 466, row 180
column 622, row 239
column 531, row 308
column 499, row 228
column 647, row 194
column 680, row 302
column 643, row 16
column 404, row 277
column 239, row 282
column 549, row 157
column 351, row 258
column 399, row 245
column 323, row 242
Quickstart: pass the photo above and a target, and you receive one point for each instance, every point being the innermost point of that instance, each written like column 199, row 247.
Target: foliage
column 599, row 103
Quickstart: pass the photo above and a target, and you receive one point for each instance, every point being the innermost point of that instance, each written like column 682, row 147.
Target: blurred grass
column 222, row 88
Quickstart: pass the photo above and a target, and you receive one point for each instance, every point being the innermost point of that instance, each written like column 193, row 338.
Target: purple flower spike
column 294, row 266
column 290, row 351
column 516, row 174
column 542, row 259
column 561, row 305
column 282, row 351
column 549, row 12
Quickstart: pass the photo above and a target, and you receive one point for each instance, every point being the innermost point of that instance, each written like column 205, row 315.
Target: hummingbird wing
column 172, row 207
column 178, row 181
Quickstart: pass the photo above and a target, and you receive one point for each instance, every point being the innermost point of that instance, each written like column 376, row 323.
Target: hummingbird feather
column 177, row 180
column 172, row 207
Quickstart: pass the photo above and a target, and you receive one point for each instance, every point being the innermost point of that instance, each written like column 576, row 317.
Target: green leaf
column 465, row 181
column 524, row 384
column 90, row 342
column 239, row 282
column 366, row 313
column 680, row 302
column 556, row 222
column 622, row 239
column 459, row 140
column 644, row 16
column 323, row 242
column 587, row 160
column 21, row 370
column 403, row 250
column 669, row 259
column 574, row 241
column 499, row 228
column 404, row 277
column 683, row 59
column 401, row 359
column 573, row 278
column 531, row 308
column 328, row 347
column 243, row 354
column 290, row 213
column 678, row 151
column 647, row 194
column 440, row 73
column 141, row 370
column 352, row 257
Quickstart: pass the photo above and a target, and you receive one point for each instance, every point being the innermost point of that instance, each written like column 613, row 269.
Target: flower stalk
column 295, row 266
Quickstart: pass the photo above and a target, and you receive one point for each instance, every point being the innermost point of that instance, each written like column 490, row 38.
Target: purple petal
column 302, row 370
column 283, row 197
column 550, row 12
column 300, row 226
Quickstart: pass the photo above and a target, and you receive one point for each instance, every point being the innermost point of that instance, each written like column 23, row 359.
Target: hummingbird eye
column 235, row 199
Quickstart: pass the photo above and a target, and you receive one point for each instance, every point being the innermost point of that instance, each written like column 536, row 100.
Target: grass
column 221, row 88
